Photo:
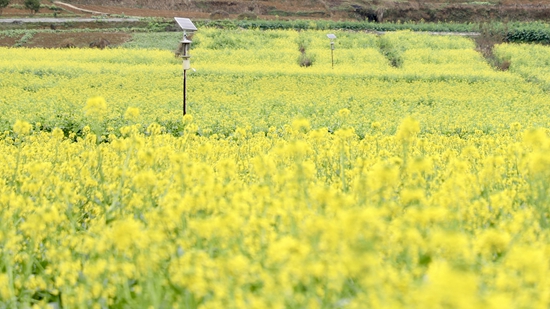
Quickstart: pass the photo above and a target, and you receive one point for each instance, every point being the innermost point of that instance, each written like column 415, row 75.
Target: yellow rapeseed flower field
column 422, row 185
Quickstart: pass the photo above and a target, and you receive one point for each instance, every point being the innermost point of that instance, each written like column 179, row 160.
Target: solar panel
column 331, row 36
column 185, row 24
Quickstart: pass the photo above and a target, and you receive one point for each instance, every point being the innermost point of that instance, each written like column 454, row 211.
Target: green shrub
column 219, row 14
column 303, row 42
column 536, row 32
column 32, row 5
column 393, row 53
column 3, row 4
column 247, row 16
column 306, row 59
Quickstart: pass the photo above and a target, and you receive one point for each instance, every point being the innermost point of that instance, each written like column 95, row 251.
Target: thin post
column 184, row 91
column 331, row 37
column 332, row 56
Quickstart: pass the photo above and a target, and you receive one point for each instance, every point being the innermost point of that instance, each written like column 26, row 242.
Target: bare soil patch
column 264, row 10
column 413, row 10
column 14, row 12
column 10, row 12
column 168, row 14
column 8, row 41
column 143, row 12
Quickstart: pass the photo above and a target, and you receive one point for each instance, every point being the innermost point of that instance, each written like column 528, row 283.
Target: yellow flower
column 408, row 129
column 187, row 119
column 344, row 112
column 538, row 162
column 537, row 138
column 22, row 127
column 5, row 291
column 345, row 133
column 154, row 129
column 146, row 156
column 131, row 114
column 492, row 242
column 385, row 175
column 515, row 126
column 125, row 233
column 412, row 196
column 96, row 107
column 145, row 179
column 241, row 133
column 58, row 134
column 301, row 125
column 445, row 286
column 531, row 263
column 420, row 165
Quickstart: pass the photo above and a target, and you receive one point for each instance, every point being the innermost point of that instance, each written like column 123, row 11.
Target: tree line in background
column 32, row 5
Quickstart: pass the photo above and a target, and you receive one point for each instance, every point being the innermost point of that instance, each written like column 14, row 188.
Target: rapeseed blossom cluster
column 399, row 189
column 304, row 219
column 529, row 61
column 443, row 83
column 96, row 107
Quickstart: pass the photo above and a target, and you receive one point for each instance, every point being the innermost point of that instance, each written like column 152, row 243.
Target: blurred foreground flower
column 22, row 127
column 408, row 129
column 96, row 107
column 131, row 114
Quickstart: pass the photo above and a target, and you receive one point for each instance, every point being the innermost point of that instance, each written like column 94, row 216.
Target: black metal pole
column 332, row 56
column 184, row 91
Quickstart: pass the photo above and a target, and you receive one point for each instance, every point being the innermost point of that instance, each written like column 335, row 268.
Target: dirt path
column 72, row 7
column 128, row 11
column 63, row 20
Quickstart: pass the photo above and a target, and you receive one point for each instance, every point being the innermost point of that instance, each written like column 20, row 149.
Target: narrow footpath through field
column 64, row 20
